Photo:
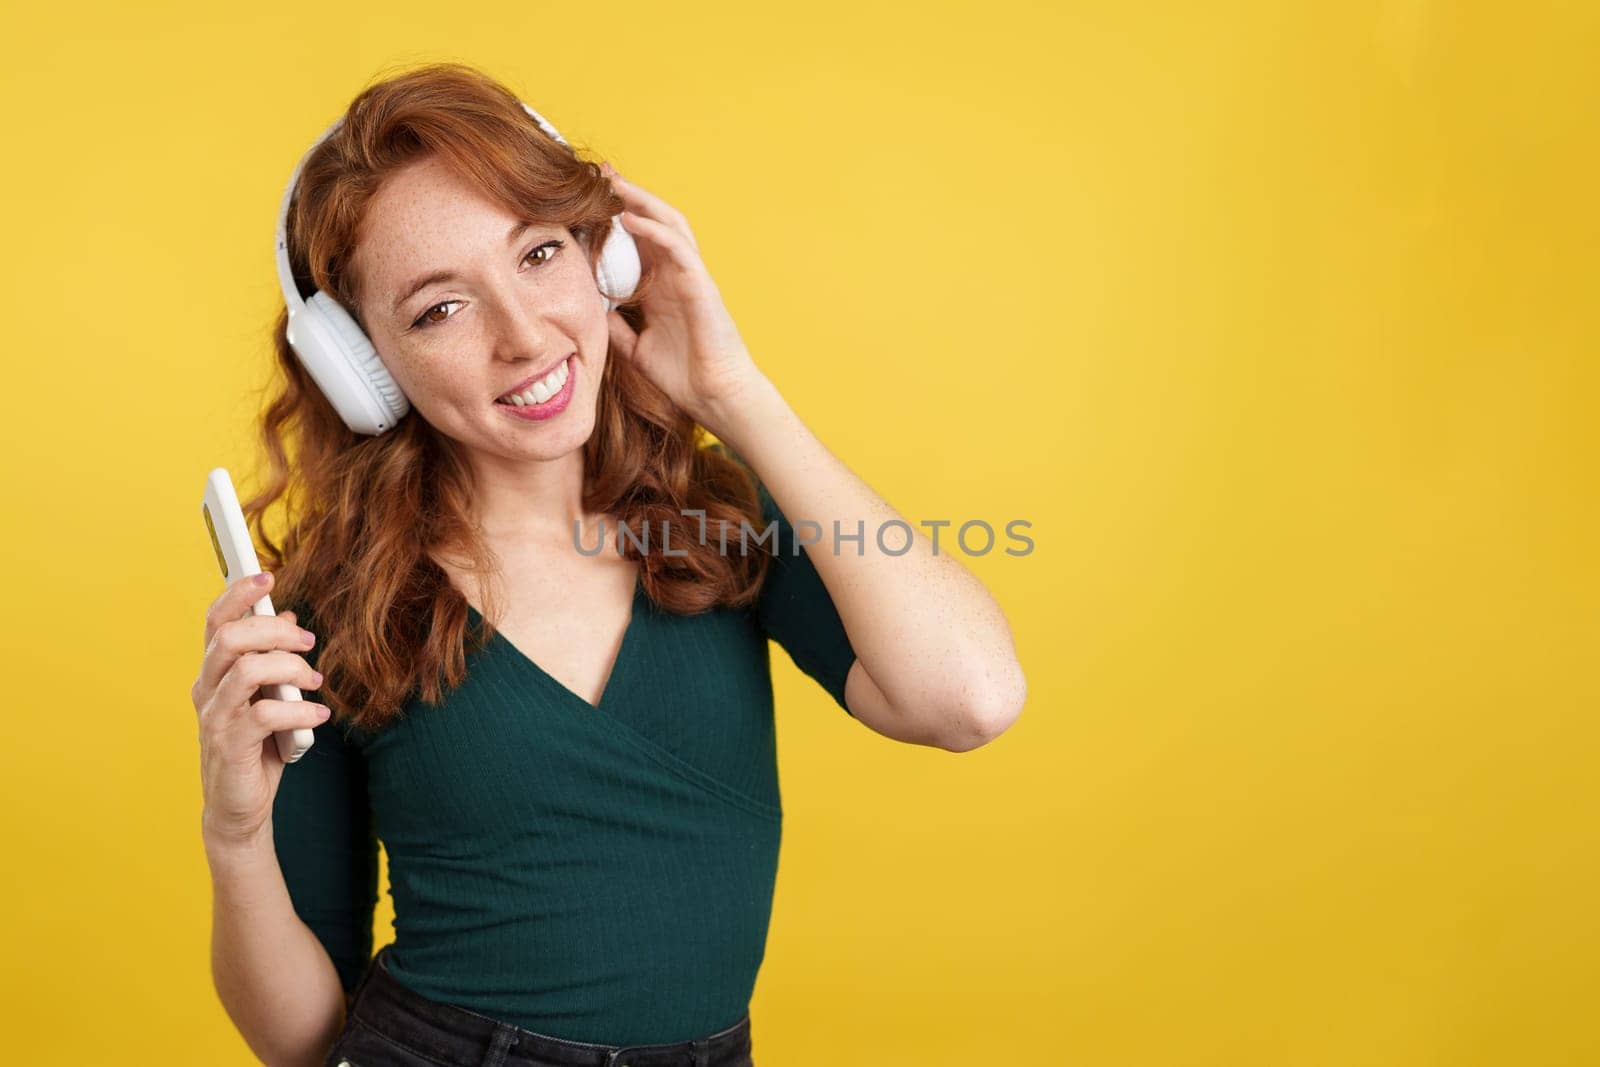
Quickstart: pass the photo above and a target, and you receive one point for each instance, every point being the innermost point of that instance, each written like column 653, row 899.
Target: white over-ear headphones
column 339, row 356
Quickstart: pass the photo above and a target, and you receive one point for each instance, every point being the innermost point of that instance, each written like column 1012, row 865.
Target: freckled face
column 515, row 303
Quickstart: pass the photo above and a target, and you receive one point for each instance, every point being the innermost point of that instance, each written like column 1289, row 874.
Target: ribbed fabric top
column 601, row 874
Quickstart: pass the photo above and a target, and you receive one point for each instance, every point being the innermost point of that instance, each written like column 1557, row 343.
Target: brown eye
column 424, row 320
column 553, row 246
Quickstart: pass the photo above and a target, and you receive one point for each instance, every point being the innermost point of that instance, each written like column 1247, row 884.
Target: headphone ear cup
column 617, row 273
column 359, row 354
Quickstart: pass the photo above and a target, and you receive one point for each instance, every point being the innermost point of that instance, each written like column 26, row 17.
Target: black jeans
column 388, row 1025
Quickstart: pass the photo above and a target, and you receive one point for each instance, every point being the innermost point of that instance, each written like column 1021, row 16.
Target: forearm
column 926, row 630
column 273, row 976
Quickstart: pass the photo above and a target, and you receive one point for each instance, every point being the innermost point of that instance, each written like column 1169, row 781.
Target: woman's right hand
column 239, row 763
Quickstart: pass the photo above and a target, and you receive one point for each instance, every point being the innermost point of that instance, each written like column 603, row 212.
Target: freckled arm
column 935, row 660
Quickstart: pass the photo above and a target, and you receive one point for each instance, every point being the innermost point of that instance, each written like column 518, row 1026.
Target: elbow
column 990, row 708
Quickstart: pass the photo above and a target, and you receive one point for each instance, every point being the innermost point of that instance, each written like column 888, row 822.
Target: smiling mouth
column 539, row 390
column 528, row 408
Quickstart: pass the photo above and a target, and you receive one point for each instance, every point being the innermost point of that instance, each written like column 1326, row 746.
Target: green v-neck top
column 594, row 873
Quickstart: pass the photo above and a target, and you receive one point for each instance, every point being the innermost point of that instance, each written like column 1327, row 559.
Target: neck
column 529, row 501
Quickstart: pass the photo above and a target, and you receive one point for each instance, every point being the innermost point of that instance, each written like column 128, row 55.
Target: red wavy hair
column 363, row 516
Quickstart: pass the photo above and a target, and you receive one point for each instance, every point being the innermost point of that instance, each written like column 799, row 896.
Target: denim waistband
column 455, row 1035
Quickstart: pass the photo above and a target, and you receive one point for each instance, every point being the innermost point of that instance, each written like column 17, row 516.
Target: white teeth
column 543, row 389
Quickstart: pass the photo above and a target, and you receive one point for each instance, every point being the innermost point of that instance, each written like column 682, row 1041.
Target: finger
column 256, row 669
column 642, row 201
column 266, row 717
column 253, row 633
column 235, row 602
column 260, row 676
column 682, row 253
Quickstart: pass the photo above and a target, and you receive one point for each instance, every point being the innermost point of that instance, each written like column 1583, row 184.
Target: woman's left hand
column 689, row 346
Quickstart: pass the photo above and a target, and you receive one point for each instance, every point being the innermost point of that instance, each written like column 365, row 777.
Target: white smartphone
column 236, row 555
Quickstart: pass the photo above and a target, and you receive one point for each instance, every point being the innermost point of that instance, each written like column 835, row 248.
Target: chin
column 554, row 437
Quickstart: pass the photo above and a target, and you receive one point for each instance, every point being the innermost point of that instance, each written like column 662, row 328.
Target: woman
column 568, row 753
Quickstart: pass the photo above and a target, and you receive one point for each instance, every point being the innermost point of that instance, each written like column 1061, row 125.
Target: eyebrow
column 446, row 275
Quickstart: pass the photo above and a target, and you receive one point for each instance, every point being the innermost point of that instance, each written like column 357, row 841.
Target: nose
column 523, row 331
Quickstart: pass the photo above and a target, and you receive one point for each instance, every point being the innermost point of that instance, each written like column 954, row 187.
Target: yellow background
column 1276, row 321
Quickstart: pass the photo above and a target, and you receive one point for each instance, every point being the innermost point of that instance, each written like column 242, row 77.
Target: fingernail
column 318, row 676
column 308, row 637
column 263, row 578
column 322, row 711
